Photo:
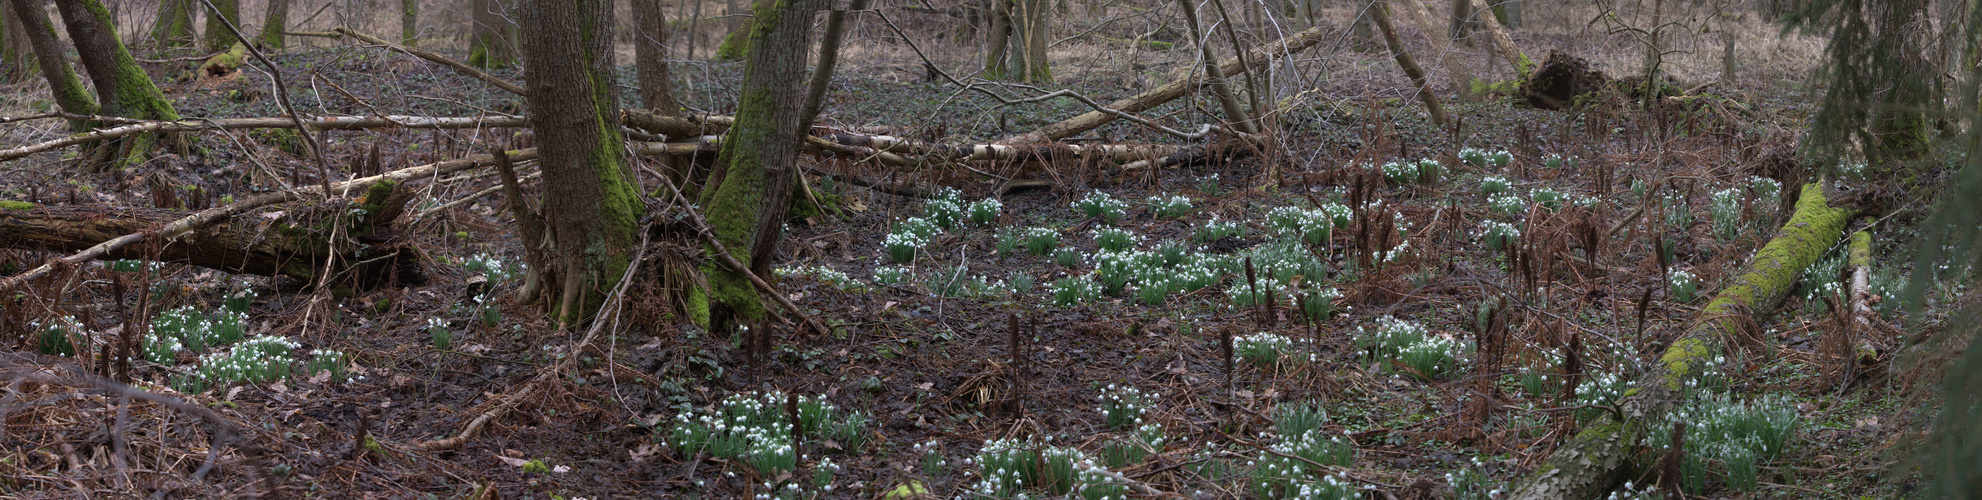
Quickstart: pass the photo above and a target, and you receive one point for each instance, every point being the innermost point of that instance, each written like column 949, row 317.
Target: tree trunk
column 122, row 87
column 650, row 54
column 1178, row 86
column 1462, row 79
column 175, row 24
column 409, row 22
column 1032, row 29
column 1381, row 14
column 292, row 242
column 68, row 88
column 737, row 42
column 1214, row 78
column 1505, row 43
column 274, row 23
column 1590, row 463
column 590, row 202
column 829, row 56
column 753, row 190
column 217, row 37
column 997, row 38
column 490, row 45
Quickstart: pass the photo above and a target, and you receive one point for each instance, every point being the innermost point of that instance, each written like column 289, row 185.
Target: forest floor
column 919, row 371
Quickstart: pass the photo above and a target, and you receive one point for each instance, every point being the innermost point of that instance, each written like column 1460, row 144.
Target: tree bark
column 1214, row 78
column 1504, row 43
column 274, row 24
column 217, row 38
column 490, row 44
column 1178, row 86
column 409, row 22
column 1462, row 79
column 122, row 87
column 753, row 188
column 1033, row 25
column 1381, row 14
column 62, row 80
column 829, row 57
column 590, row 201
column 737, row 42
column 293, row 242
column 175, row 24
column 997, row 38
column 1590, row 463
column 650, row 54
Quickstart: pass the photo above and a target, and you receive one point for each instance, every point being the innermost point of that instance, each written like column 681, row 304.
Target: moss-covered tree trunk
column 217, row 38
column 409, row 22
column 753, row 187
column 650, row 56
column 40, row 32
column 1033, row 25
column 490, row 43
column 590, row 203
column 274, row 23
column 1593, row 461
column 736, row 44
column 122, row 87
column 175, row 24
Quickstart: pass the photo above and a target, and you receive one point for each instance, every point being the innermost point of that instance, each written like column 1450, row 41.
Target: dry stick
column 1018, row 369
column 1138, row 486
column 616, row 300
column 1404, row 60
column 423, row 214
column 209, row 216
column 437, row 58
column 282, row 97
column 722, row 253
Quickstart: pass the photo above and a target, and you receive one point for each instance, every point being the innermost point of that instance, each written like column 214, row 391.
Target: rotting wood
column 1590, row 462
column 203, row 218
column 319, row 123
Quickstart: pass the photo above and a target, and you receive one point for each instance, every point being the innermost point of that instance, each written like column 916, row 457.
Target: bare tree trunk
column 1214, row 77
column 997, row 38
column 274, row 24
column 829, row 56
column 590, row 202
column 753, row 191
column 1033, row 24
column 217, row 38
column 490, row 45
column 409, row 22
column 1505, row 43
column 40, row 32
column 122, row 87
column 1381, row 14
column 1462, row 79
column 650, row 38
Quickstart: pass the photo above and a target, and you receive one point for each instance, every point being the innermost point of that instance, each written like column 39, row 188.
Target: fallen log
column 1593, row 461
column 190, row 223
column 320, row 123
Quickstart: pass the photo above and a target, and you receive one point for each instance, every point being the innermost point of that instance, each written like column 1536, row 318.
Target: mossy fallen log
column 1594, row 460
column 352, row 235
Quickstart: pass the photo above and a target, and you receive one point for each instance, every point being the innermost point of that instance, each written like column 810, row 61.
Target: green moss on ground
column 16, row 205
